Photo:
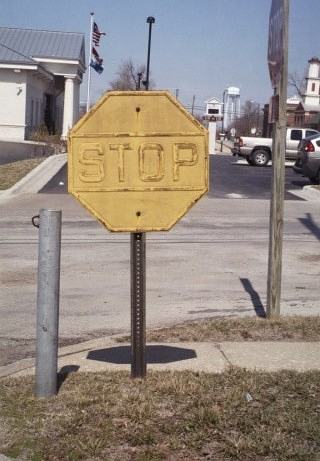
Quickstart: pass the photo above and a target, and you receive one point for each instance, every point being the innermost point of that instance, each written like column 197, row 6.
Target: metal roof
column 13, row 57
column 30, row 43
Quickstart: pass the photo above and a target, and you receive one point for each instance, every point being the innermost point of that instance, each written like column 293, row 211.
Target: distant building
column 302, row 111
column 305, row 115
column 312, row 94
column 231, row 106
column 307, row 112
column 292, row 104
column 214, row 109
column 40, row 76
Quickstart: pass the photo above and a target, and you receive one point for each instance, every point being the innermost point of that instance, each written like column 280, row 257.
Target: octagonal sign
column 138, row 161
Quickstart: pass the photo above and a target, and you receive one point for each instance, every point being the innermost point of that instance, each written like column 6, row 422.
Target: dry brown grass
column 239, row 329
column 170, row 416
column 10, row 173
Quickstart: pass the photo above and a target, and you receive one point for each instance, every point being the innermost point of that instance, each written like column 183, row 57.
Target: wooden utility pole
column 278, row 155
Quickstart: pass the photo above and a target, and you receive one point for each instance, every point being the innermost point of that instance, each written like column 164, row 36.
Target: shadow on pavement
column 301, row 182
column 255, row 298
column 154, row 354
column 309, row 223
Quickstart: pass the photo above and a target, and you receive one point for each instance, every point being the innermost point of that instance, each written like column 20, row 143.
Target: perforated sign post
column 138, row 161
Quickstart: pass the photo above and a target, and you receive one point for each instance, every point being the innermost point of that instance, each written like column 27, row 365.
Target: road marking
column 236, row 196
column 244, row 162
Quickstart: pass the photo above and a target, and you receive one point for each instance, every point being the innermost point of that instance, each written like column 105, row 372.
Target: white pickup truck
column 257, row 151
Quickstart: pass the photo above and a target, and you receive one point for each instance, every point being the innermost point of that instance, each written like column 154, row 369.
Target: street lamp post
column 138, row 276
column 150, row 20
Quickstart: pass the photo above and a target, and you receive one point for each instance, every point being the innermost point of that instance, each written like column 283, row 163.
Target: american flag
column 96, row 34
column 96, row 54
column 96, row 62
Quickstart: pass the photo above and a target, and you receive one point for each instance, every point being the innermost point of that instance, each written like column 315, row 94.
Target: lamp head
column 151, row 20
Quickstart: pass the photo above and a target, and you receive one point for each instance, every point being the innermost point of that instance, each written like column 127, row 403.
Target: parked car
column 257, row 151
column 308, row 158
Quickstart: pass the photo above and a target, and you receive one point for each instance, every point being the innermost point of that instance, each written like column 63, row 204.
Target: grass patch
column 10, row 173
column 239, row 329
column 170, row 416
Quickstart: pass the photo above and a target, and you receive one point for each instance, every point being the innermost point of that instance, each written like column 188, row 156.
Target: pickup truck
column 257, row 151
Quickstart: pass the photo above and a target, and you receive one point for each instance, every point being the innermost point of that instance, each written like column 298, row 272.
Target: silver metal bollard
column 48, row 302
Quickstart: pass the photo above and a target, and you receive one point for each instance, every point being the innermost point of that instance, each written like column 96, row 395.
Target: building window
column 313, row 87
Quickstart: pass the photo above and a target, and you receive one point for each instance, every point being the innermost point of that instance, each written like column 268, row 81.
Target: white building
column 40, row 76
column 312, row 94
column 231, row 108
column 214, row 109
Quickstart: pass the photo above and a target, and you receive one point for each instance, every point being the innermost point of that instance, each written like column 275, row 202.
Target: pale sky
column 198, row 46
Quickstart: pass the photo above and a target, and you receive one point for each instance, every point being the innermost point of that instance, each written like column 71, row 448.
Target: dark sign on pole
column 273, row 115
column 276, row 40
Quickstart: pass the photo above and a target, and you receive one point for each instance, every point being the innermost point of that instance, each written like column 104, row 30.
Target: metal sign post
column 138, row 278
column 278, row 67
column 48, row 302
column 138, row 305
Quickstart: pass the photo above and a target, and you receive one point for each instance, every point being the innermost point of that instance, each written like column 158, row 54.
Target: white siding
column 36, row 90
column 12, row 104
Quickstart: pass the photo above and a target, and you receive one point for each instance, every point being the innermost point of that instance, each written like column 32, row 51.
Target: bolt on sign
column 138, row 161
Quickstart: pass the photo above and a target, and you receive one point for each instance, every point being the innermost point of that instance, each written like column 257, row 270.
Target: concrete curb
column 209, row 357
column 308, row 193
column 25, row 364
column 37, row 178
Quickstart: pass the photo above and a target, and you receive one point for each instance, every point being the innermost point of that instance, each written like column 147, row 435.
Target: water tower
column 231, row 107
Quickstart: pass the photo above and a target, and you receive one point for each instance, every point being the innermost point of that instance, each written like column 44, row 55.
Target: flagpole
column 90, row 56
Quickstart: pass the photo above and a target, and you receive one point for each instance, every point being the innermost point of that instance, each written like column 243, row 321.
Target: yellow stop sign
column 138, row 161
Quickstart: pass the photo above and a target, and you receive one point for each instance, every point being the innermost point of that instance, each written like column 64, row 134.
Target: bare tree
column 251, row 117
column 298, row 83
column 128, row 76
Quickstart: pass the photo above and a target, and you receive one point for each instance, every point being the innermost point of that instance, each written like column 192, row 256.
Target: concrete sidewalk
column 106, row 354
column 36, row 179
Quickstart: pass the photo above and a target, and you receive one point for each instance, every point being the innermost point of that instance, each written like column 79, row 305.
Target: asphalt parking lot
column 237, row 179
column 212, row 263
column 228, row 179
